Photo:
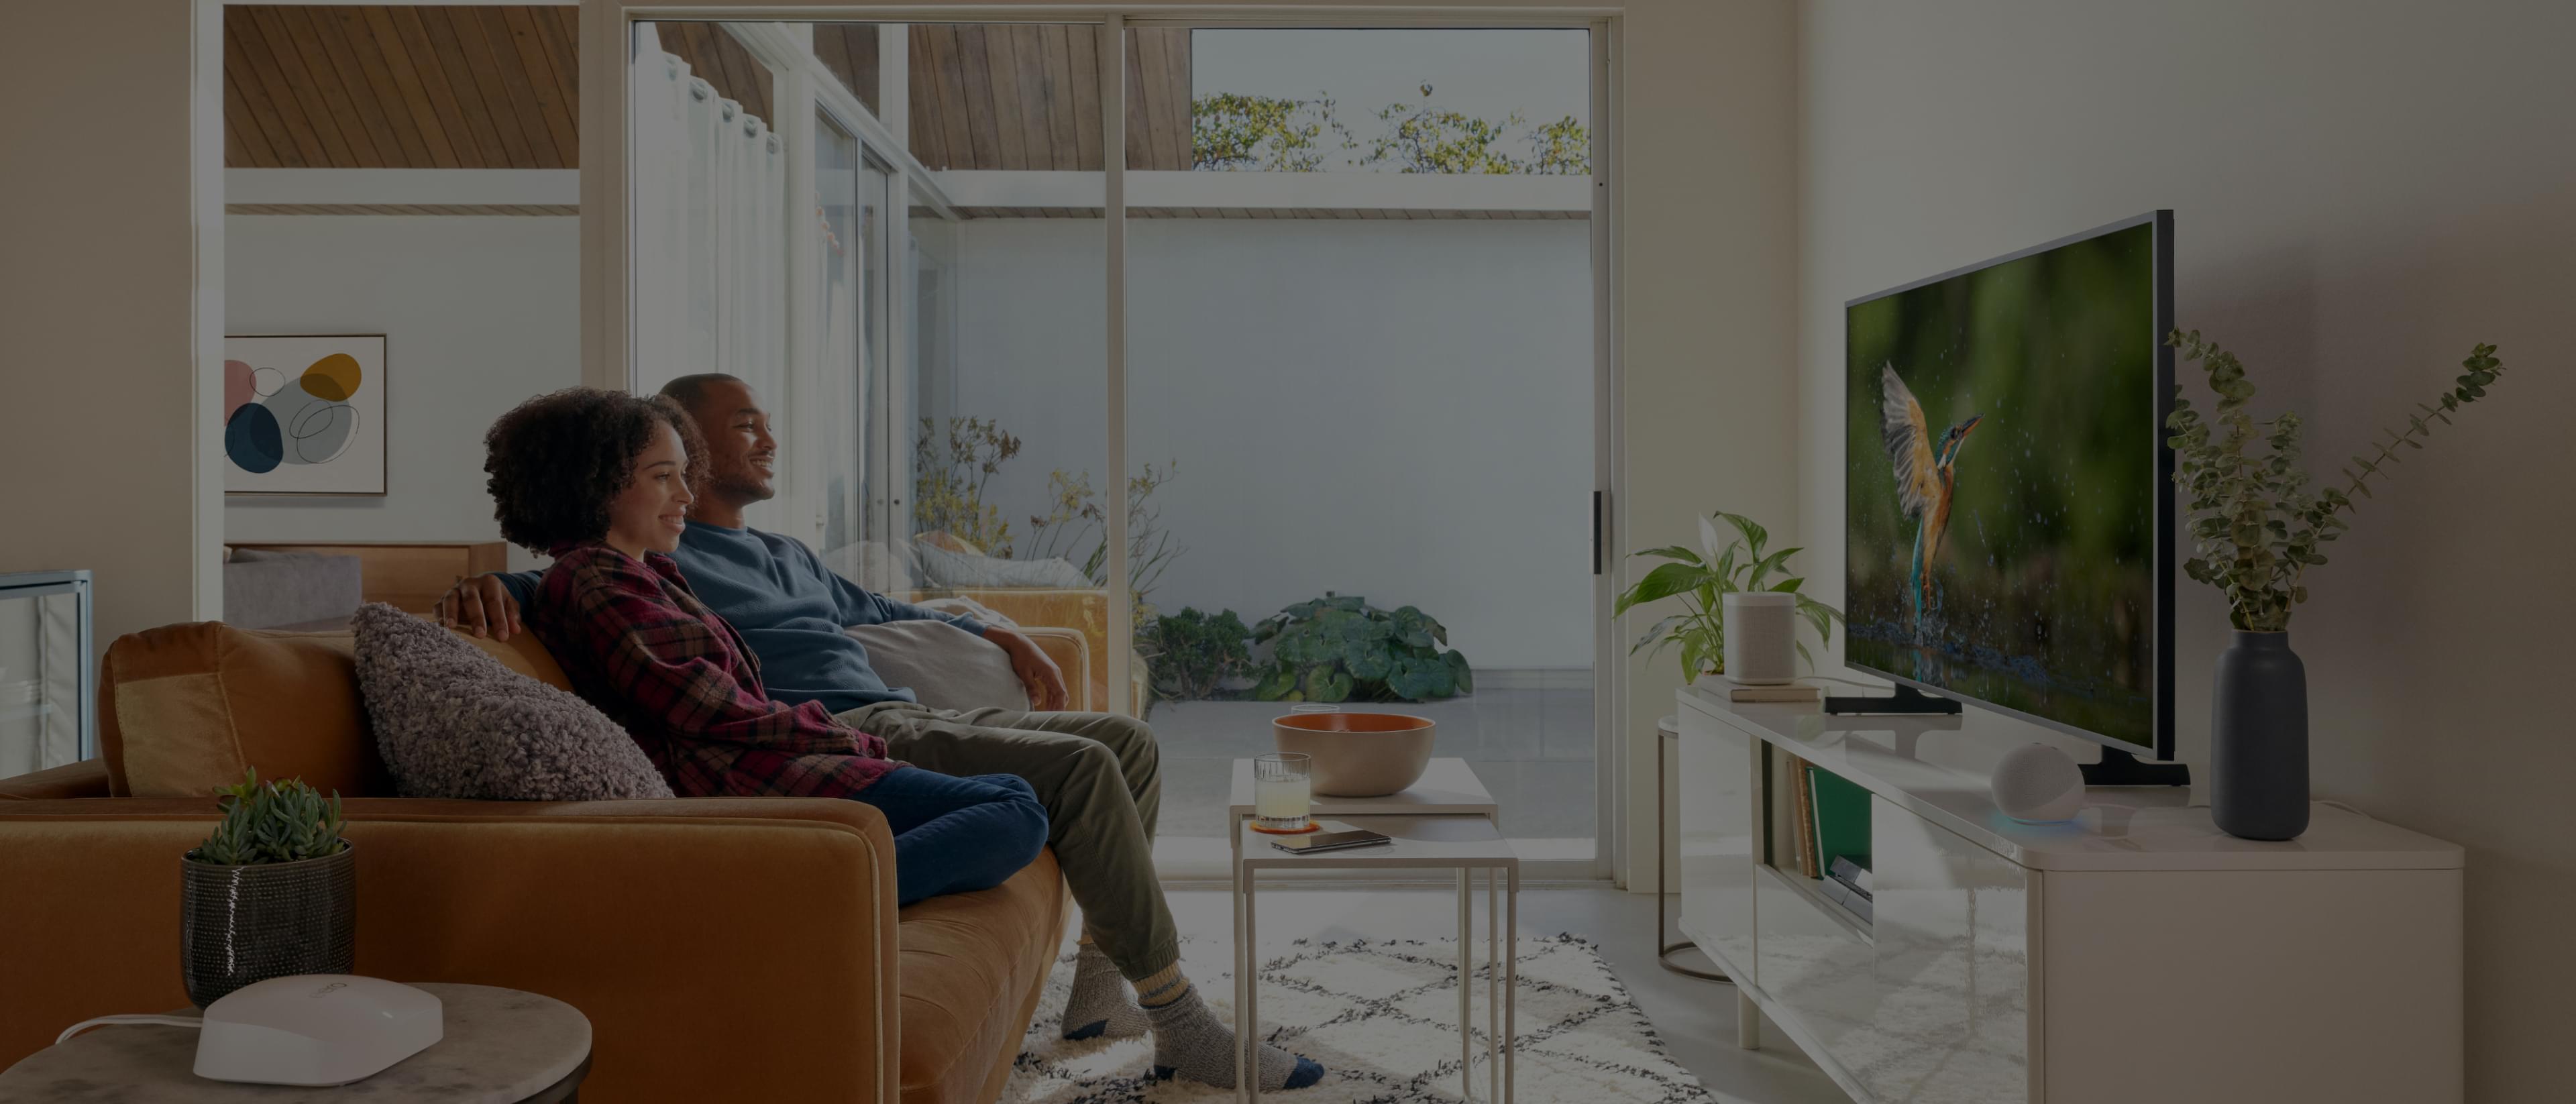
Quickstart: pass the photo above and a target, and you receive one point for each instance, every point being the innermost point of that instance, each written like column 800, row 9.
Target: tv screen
column 2008, row 510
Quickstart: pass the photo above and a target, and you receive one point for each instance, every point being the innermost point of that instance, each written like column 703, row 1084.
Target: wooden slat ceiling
column 1027, row 97
column 480, row 87
column 849, row 50
column 362, row 87
column 1319, row 213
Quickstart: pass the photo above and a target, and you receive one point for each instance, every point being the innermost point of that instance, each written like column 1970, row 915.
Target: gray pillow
column 453, row 722
column 945, row 666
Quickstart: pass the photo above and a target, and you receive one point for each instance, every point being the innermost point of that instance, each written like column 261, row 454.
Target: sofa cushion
column 970, row 969
column 451, row 721
column 185, row 709
column 944, row 567
column 946, row 667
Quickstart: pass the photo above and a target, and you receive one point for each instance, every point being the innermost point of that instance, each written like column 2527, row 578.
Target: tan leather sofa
column 723, row 948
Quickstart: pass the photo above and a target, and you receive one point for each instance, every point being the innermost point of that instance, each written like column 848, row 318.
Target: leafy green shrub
column 1193, row 653
column 272, row 822
column 1340, row 649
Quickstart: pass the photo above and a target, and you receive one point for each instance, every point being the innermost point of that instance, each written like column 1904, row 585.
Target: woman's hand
column 480, row 605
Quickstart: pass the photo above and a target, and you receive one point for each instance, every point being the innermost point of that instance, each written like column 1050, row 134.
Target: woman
column 600, row 481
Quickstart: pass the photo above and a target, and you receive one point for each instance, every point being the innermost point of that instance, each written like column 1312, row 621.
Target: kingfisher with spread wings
column 1925, row 475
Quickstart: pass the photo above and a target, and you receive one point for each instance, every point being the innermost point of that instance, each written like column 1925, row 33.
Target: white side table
column 1446, row 821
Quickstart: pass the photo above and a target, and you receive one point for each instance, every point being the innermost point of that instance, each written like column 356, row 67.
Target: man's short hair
column 689, row 391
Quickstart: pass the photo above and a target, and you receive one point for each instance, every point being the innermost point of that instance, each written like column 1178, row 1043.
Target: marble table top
column 501, row 1046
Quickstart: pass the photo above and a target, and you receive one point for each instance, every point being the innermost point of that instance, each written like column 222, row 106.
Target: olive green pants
column 1100, row 777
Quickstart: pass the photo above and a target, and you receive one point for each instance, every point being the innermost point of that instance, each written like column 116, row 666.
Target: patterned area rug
column 1382, row 1016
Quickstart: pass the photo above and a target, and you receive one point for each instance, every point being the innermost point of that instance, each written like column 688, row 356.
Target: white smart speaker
column 2038, row 784
column 1761, row 637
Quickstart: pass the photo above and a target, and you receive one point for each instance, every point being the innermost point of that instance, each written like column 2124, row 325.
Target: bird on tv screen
column 2001, row 488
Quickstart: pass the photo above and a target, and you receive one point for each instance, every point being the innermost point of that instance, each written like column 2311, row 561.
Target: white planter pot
column 1761, row 637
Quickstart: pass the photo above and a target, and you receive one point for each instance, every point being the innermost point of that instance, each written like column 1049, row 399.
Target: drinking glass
column 1283, row 788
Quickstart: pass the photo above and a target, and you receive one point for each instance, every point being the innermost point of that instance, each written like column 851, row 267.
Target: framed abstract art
column 305, row 414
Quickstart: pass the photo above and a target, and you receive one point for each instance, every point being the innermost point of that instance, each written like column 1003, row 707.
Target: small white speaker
column 1761, row 637
column 2038, row 784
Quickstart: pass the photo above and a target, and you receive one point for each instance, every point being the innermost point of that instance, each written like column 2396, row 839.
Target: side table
column 1447, row 820
column 501, row 1046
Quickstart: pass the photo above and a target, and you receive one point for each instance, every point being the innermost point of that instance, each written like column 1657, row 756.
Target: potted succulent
column 2256, row 529
column 272, row 893
column 1703, row 579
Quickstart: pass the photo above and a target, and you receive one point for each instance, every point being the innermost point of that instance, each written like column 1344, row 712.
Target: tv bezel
column 2162, row 726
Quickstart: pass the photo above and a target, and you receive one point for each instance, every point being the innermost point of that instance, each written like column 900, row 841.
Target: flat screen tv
column 2009, row 511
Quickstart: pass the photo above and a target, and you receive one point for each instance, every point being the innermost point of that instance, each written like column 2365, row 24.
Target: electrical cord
column 84, row 1025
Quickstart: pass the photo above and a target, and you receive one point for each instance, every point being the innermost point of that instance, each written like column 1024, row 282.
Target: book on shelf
column 1802, row 817
column 1850, row 900
column 1852, row 875
column 1841, row 810
column 1784, row 692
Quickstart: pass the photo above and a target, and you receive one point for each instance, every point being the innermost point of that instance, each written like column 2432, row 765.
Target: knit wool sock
column 1190, row 1042
column 1100, row 1007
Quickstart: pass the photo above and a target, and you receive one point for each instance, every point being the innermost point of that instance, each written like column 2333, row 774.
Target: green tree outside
column 1230, row 132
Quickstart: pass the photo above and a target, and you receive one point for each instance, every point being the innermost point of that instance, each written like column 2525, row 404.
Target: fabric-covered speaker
column 1761, row 637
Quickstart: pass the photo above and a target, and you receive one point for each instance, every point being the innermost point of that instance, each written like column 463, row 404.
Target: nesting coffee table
column 1445, row 821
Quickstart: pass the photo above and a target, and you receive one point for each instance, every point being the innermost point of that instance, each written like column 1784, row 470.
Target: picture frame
column 305, row 414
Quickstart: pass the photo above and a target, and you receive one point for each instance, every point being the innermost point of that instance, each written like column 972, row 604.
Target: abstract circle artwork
column 302, row 415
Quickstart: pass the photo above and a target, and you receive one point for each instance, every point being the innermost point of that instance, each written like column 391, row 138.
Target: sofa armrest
column 763, row 927
column 1072, row 655
column 87, row 778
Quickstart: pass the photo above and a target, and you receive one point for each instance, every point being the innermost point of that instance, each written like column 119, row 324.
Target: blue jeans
column 956, row 835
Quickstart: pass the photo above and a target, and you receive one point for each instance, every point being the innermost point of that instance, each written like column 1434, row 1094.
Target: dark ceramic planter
column 241, row 924
column 2258, row 739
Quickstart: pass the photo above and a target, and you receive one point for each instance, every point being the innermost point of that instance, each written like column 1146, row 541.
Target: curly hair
column 559, row 459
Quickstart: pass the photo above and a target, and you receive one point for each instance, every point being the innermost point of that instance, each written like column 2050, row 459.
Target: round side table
column 1669, row 730
column 501, row 1046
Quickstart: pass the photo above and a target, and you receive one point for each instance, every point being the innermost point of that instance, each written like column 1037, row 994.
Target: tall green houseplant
column 1702, row 579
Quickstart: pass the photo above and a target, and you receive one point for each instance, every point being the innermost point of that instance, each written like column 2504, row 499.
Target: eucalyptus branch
column 2255, row 526
column 2483, row 370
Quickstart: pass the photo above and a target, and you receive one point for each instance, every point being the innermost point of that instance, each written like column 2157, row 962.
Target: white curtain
column 710, row 245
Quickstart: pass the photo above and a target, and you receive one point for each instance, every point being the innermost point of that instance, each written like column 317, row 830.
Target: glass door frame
column 803, row 86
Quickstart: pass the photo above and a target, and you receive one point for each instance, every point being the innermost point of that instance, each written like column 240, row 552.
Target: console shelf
column 2137, row 954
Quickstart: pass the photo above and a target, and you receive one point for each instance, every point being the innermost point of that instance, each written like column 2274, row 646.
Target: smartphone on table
column 1330, row 841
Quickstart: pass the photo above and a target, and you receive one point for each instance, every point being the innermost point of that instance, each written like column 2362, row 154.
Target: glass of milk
column 1283, row 789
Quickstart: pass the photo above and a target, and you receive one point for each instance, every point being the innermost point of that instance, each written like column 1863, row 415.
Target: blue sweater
column 790, row 609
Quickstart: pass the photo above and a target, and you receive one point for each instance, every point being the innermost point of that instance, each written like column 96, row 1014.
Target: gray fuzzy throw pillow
column 453, row 722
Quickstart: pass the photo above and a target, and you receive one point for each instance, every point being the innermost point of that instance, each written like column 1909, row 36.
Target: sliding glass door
column 1356, row 379
column 1359, row 400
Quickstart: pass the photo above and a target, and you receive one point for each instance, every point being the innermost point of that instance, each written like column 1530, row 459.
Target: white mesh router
column 315, row 1029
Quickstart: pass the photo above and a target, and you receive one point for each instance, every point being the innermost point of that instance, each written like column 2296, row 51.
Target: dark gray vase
column 240, row 924
column 2258, row 739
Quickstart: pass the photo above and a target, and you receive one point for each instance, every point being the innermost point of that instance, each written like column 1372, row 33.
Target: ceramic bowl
column 1359, row 754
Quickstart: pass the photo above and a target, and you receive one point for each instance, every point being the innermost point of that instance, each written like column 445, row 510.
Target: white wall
column 96, row 301
column 478, row 313
column 1399, row 410
column 2361, row 191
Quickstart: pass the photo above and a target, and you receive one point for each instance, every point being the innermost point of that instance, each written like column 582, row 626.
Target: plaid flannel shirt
column 637, row 643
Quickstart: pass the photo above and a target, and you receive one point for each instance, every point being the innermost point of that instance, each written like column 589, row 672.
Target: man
column 1096, row 773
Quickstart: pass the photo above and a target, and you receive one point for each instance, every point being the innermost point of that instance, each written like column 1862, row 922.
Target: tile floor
column 1695, row 1019
column 1533, row 748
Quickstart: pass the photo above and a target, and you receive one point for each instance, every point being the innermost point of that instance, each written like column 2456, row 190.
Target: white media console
column 2137, row 954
